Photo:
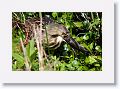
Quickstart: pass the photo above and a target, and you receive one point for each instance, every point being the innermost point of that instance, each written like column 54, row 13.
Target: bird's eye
column 65, row 35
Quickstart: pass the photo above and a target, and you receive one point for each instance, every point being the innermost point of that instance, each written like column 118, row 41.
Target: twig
column 16, row 16
column 37, row 42
column 25, row 56
column 38, row 37
column 41, row 62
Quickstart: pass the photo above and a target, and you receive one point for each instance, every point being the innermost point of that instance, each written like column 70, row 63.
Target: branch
column 25, row 56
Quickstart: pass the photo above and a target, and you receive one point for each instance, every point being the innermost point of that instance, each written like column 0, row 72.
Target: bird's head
column 57, row 33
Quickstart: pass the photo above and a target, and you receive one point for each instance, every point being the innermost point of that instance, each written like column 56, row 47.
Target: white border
column 104, row 6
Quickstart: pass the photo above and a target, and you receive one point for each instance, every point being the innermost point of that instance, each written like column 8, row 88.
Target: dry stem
column 38, row 37
column 25, row 57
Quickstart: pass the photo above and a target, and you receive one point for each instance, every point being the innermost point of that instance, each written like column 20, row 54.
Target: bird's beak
column 75, row 45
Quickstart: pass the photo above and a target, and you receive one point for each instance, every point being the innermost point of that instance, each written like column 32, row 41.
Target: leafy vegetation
column 84, row 27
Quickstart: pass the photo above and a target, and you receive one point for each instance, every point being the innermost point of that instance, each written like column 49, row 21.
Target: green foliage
column 19, row 61
column 84, row 27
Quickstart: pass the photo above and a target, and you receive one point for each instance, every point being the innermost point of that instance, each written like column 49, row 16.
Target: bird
column 53, row 34
column 58, row 33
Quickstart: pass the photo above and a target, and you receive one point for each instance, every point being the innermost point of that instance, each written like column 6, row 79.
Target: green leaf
column 54, row 14
column 35, row 65
column 75, row 63
column 19, row 59
column 14, row 67
column 30, row 13
column 91, row 46
column 64, row 16
column 78, row 24
column 62, row 67
column 22, row 17
column 99, row 57
column 83, row 68
column 97, row 64
column 98, row 48
column 93, row 69
column 69, row 65
column 94, row 23
column 85, row 37
column 30, row 48
column 86, row 46
column 67, row 25
column 61, row 20
column 90, row 60
column 33, row 55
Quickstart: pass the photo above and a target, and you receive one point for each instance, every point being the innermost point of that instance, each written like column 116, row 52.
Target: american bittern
column 56, row 33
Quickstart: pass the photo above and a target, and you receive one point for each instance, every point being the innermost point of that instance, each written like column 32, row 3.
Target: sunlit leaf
column 54, row 14
column 98, row 48
column 91, row 45
column 85, row 37
column 90, row 60
column 83, row 68
column 97, row 64
column 19, row 59
column 78, row 24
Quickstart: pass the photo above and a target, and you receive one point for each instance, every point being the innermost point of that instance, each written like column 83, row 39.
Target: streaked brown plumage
column 56, row 34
